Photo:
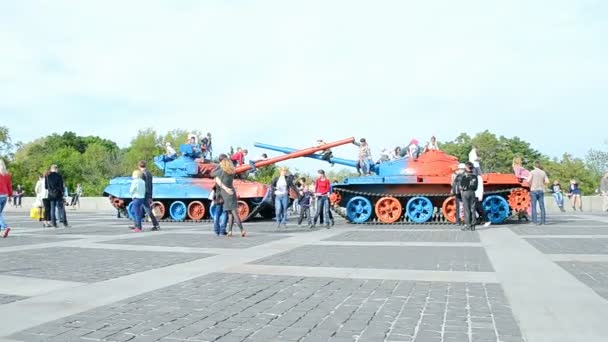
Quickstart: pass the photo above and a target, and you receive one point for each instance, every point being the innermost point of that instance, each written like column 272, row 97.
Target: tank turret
column 183, row 192
column 418, row 191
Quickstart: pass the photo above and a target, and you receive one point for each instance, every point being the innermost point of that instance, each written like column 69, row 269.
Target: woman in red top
column 322, row 189
column 6, row 191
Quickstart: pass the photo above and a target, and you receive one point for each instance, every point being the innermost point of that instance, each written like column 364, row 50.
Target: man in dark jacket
column 468, row 185
column 55, row 187
column 148, row 197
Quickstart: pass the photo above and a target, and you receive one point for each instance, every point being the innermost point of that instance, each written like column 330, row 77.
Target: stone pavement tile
column 87, row 264
column 570, row 246
column 561, row 230
column 408, row 236
column 233, row 307
column 5, row 299
column 592, row 274
column 200, row 240
column 21, row 240
column 473, row 259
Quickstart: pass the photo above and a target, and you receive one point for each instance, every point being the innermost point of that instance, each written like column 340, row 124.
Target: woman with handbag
column 224, row 176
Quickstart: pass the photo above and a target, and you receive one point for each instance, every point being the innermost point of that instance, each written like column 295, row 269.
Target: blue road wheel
column 496, row 209
column 419, row 209
column 178, row 210
column 130, row 211
column 358, row 209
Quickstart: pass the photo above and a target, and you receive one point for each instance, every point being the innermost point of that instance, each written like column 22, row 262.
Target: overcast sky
column 290, row 72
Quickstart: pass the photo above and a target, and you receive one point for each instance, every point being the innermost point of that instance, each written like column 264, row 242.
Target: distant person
column 396, row 153
column 149, row 182
column 432, row 145
column 413, row 149
column 456, row 177
column 224, row 177
column 538, row 180
column 138, row 195
column 56, row 192
column 474, row 158
column 170, row 153
column 76, row 197
column 281, row 186
column 17, row 195
column 217, row 211
column 205, row 145
column 322, row 189
column 42, row 201
column 574, row 193
column 520, row 172
column 364, row 157
column 558, row 195
column 238, row 158
column 384, row 156
column 46, row 202
column 604, row 191
column 6, row 191
column 326, row 154
column 305, row 201
column 468, row 186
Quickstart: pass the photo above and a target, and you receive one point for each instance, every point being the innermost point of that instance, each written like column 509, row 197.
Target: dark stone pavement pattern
column 200, row 240
column 87, row 264
column 408, row 236
column 231, row 307
column 593, row 274
column 5, row 299
column 570, row 246
column 472, row 259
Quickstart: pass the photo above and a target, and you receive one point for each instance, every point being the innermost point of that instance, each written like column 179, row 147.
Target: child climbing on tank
column 365, row 157
column 325, row 154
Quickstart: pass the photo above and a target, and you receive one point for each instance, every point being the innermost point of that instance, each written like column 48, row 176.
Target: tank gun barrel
column 293, row 153
column 340, row 161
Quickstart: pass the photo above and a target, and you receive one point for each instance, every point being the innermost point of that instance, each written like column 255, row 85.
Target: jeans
column 220, row 219
column 305, row 211
column 559, row 199
column 458, row 202
column 3, row 201
column 147, row 206
column 57, row 208
column 138, row 204
column 281, row 202
column 538, row 196
column 322, row 207
column 469, row 204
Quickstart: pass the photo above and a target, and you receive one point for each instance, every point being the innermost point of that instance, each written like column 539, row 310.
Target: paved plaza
column 98, row 281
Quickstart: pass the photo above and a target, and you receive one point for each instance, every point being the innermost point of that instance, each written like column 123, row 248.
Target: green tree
column 145, row 146
column 5, row 143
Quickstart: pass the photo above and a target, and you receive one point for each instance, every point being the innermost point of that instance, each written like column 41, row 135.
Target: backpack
column 456, row 184
column 468, row 182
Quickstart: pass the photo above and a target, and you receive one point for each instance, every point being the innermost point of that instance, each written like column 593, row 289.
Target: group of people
column 281, row 186
column 196, row 147
column 467, row 188
column 50, row 193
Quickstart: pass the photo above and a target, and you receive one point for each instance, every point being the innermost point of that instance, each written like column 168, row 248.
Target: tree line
column 92, row 161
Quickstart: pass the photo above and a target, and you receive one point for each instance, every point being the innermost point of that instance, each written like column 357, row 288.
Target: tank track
column 437, row 219
column 252, row 213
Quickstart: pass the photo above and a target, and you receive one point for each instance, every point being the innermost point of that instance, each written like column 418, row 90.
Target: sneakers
column 243, row 233
column 487, row 224
column 6, row 231
column 137, row 230
column 155, row 228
